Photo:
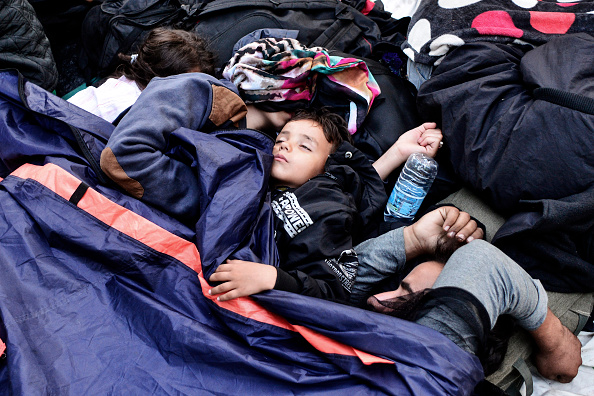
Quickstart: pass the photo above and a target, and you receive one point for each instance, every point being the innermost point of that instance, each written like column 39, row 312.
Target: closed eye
column 305, row 147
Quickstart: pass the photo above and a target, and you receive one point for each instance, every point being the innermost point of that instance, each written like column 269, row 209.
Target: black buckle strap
column 78, row 193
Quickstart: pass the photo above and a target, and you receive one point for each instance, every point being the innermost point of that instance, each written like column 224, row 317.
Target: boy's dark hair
column 165, row 52
column 334, row 126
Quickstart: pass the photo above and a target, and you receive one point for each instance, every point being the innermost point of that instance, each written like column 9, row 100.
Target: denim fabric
column 418, row 73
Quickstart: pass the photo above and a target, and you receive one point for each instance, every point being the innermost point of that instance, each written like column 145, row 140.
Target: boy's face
column 300, row 153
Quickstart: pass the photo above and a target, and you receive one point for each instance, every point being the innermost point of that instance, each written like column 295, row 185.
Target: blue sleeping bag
column 102, row 294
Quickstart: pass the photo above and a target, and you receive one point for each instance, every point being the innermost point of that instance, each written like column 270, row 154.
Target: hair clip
column 133, row 58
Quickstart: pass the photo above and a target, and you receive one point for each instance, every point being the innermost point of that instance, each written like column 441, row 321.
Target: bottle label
column 411, row 187
column 404, row 202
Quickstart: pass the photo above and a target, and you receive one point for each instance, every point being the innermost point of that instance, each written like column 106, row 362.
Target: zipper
column 227, row 5
column 130, row 21
column 88, row 155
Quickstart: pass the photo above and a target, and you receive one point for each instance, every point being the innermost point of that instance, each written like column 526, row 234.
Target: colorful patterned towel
column 277, row 70
column 438, row 25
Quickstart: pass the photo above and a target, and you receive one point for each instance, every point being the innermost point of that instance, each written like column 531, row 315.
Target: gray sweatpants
column 481, row 269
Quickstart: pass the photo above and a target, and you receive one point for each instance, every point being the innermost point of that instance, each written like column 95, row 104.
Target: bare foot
column 559, row 350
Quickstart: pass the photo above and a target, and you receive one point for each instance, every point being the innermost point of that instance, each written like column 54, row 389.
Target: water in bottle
column 411, row 187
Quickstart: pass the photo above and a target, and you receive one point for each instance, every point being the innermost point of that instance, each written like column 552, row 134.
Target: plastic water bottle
column 411, row 187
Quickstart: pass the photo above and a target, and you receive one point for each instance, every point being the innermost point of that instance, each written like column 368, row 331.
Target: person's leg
column 379, row 258
column 497, row 282
column 501, row 286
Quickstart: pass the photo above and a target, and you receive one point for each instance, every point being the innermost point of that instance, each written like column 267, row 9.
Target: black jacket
column 24, row 45
column 320, row 222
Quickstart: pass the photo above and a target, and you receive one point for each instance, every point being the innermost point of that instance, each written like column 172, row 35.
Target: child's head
column 334, row 126
column 304, row 144
column 165, row 52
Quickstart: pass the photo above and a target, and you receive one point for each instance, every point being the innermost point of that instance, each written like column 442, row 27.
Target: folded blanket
column 440, row 25
column 278, row 70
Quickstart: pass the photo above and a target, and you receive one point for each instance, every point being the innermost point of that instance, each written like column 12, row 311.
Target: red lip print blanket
column 439, row 25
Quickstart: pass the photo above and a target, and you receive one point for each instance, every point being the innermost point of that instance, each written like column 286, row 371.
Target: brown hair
column 165, row 52
column 334, row 126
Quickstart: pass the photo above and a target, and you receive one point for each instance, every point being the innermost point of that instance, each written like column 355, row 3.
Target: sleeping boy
column 326, row 195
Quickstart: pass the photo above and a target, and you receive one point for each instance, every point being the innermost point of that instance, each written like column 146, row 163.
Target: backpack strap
column 343, row 28
column 570, row 100
column 582, row 320
column 522, row 368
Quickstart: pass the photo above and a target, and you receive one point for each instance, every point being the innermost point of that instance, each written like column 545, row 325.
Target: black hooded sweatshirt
column 318, row 224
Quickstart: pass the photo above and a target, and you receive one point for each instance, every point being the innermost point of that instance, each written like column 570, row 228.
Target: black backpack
column 331, row 24
column 119, row 25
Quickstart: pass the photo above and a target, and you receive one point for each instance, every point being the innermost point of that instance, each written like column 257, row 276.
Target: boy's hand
column 421, row 237
column 242, row 278
column 422, row 139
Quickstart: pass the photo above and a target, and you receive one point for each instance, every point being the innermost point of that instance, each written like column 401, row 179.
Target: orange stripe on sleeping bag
column 112, row 214
column 2, row 348
column 64, row 184
column 248, row 308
